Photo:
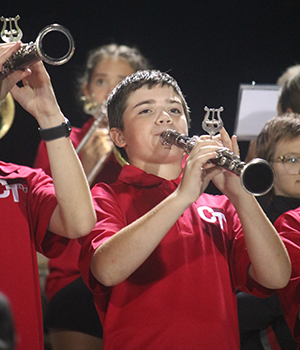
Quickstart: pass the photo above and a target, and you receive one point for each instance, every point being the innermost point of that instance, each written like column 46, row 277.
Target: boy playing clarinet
column 165, row 259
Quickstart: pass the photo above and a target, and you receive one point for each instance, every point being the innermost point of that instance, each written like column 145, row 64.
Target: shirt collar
column 138, row 177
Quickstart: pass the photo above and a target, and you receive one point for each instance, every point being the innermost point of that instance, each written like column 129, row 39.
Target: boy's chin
column 174, row 155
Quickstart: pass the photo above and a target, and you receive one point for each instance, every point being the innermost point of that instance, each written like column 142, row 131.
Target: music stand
column 256, row 105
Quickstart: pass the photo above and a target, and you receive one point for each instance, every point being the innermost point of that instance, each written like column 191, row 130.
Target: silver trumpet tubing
column 98, row 112
column 33, row 52
column 257, row 176
column 91, row 107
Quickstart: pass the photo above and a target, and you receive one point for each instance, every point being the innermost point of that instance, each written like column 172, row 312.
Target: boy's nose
column 164, row 117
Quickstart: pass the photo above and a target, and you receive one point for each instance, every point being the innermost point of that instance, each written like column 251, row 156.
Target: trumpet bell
column 7, row 113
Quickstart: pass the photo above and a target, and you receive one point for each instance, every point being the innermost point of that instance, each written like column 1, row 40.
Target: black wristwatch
column 57, row 132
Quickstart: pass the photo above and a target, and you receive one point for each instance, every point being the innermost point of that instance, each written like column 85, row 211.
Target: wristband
column 56, row 132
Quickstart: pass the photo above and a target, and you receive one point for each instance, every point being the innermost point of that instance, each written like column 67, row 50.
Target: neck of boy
column 169, row 171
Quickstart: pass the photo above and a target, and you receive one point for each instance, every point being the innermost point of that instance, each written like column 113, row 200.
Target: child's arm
column 270, row 263
column 118, row 257
column 74, row 216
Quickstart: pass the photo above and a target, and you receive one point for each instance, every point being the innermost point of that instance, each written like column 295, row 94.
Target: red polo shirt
column 27, row 201
column 288, row 226
column 183, row 295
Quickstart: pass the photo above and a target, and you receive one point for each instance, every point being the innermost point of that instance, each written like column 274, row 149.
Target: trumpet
column 98, row 111
column 32, row 52
column 257, row 176
column 91, row 107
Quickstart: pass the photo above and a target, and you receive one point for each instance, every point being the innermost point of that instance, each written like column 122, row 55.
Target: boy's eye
column 145, row 111
column 293, row 160
column 100, row 82
column 175, row 110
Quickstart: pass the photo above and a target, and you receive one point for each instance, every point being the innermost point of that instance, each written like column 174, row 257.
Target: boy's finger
column 235, row 146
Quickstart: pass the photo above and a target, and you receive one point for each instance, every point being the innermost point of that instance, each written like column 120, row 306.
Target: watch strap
column 56, row 132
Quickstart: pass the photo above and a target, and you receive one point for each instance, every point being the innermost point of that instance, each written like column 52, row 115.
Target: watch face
column 69, row 126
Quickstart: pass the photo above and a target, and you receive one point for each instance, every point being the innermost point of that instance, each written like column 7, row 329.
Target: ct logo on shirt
column 209, row 215
column 13, row 188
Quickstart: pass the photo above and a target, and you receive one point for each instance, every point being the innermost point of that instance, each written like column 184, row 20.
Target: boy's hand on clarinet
column 7, row 83
column 227, row 182
column 198, row 171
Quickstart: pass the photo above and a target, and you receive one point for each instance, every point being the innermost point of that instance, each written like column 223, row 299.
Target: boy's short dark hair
column 117, row 100
column 289, row 97
column 285, row 127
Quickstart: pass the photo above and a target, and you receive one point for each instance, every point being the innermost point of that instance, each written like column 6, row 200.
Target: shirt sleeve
column 42, row 202
column 110, row 220
column 288, row 226
column 240, row 261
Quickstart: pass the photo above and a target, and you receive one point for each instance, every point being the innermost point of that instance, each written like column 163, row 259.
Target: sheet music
column 256, row 105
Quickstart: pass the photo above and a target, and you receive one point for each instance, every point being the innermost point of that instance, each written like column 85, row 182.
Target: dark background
column 210, row 47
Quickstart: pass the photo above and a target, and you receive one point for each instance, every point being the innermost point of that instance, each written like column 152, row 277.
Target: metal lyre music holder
column 212, row 122
column 11, row 35
column 257, row 176
column 32, row 52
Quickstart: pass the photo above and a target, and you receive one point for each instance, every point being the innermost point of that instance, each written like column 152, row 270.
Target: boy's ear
column 117, row 137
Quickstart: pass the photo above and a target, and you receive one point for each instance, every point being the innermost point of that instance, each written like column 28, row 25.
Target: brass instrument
column 7, row 113
column 32, row 52
column 257, row 176
column 93, row 108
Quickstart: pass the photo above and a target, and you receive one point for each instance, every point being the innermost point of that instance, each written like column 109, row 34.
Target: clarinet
column 257, row 176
